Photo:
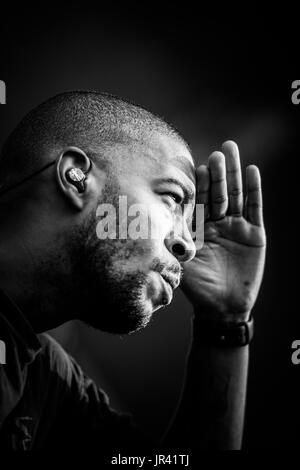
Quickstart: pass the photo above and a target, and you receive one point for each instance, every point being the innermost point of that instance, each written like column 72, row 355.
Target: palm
column 226, row 273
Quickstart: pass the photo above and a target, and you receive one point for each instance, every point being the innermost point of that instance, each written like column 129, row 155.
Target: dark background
column 216, row 76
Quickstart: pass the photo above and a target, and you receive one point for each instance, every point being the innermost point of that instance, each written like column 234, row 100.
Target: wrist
column 222, row 316
column 224, row 333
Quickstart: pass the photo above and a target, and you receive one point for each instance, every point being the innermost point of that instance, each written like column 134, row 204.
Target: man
column 68, row 157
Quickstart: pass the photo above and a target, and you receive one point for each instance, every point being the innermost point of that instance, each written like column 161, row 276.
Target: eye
column 177, row 198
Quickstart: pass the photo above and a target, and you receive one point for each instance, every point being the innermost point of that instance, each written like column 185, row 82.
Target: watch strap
column 225, row 334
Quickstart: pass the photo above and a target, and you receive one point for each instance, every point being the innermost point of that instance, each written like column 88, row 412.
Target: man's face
column 127, row 278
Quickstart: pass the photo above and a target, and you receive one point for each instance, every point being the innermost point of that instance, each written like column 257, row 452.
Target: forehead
column 160, row 155
column 169, row 152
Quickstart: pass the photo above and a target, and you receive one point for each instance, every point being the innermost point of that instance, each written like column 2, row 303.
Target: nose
column 182, row 247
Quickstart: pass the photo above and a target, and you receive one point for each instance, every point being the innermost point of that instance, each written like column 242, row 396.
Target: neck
column 32, row 281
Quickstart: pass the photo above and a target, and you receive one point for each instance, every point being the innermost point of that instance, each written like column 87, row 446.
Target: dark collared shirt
column 46, row 401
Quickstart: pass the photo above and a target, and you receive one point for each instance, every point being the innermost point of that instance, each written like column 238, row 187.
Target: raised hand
column 224, row 278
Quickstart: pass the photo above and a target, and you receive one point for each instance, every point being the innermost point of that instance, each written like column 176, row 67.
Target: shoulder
column 64, row 371
column 55, row 358
column 51, row 348
column 62, row 368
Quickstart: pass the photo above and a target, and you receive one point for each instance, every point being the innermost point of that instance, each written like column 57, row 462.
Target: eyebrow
column 185, row 165
column 189, row 195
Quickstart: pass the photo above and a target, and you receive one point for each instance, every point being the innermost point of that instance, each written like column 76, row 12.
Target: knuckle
column 236, row 192
column 218, row 180
column 254, row 189
column 221, row 199
column 255, row 205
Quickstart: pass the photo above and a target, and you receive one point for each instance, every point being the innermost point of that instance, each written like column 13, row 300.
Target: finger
column 234, row 178
column 218, row 191
column 254, row 196
column 202, row 189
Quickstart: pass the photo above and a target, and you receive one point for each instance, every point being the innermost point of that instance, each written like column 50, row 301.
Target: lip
column 171, row 280
column 169, row 291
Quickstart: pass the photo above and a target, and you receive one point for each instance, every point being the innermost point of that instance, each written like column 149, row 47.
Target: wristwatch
column 225, row 334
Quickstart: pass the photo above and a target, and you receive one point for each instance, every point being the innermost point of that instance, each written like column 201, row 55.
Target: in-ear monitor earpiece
column 77, row 178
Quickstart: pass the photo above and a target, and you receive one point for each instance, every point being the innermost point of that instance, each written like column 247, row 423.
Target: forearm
column 211, row 411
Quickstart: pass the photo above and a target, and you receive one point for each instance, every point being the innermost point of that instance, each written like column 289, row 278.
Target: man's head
column 127, row 154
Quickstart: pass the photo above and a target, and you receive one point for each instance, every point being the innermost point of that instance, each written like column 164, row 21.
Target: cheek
column 129, row 255
column 142, row 216
column 138, row 255
column 148, row 222
column 161, row 222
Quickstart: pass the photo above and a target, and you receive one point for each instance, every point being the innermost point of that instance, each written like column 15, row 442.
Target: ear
column 70, row 158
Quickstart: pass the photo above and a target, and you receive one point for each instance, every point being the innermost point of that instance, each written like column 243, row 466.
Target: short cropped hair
column 87, row 119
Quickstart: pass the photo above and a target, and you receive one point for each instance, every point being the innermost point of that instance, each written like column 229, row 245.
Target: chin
column 140, row 320
column 124, row 320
